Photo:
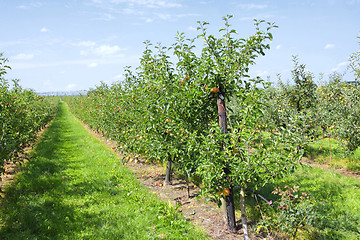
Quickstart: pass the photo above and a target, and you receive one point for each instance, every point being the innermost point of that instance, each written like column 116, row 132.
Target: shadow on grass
column 34, row 206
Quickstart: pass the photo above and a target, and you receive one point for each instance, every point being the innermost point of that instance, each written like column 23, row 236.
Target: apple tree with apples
column 201, row 112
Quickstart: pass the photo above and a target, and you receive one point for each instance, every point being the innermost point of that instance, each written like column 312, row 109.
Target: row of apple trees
column 327, row 110
column 22, row 114
column 180, row 111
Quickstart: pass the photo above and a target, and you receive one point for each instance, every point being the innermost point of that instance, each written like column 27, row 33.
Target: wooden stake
column 243, row 215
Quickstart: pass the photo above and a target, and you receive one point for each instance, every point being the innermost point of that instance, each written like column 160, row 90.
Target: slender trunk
column 330, row 149
column 187, row 185
column 229, row 200
column 243, row 214
column 260, row 140
column 168, row 172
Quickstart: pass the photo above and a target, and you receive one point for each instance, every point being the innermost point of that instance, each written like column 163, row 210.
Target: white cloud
column 164, row 16
column 132, row 11
column 258, row 16
column 23, row 56
column 278, row 47
column 149, row 3
column 106, row 17
column 48, row 83
column 339, row 66
column 92, row 65
column 329, row 45
column 71, row 86
column 252, row 6
column 146, row 10
column 246, row 18
column 343, row 64
column 169, row 17
column 107, row 50
column 92, row 48
column 44, row 29
column 191, row 28
column 119, row 76
column 36, row 4
column 86, row 44
column 352, row 2
column 262, row 73
column 141, row 3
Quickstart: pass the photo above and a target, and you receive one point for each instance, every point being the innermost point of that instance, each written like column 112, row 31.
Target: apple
column 214, row 90
column 226, row 191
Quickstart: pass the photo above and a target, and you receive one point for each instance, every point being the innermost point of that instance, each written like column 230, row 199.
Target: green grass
column 73, row 187
column 336, row 202
column 319, row 151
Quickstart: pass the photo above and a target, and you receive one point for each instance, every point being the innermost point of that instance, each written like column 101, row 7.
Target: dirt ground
column 206, row 215
column 12, row 167
column 8, row 176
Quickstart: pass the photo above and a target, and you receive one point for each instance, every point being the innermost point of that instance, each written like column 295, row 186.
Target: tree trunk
column 243, row 214
column 168, row 172
column 330, row 149
column 230, row 211
column 187, row 185
column 229, row 199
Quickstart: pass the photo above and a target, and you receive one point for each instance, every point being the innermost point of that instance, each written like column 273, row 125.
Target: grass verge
column 73, row 187
column 335, row 204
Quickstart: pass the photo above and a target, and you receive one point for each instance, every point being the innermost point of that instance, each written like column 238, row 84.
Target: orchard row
column 22, row 114
column 330, row 110
column 201, row 111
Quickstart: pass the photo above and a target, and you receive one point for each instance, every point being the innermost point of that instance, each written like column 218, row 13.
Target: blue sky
column 76, row 44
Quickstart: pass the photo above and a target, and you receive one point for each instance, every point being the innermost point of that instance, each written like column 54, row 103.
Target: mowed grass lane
column 73, row 187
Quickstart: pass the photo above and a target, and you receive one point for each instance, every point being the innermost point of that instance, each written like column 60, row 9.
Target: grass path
column 73, row 187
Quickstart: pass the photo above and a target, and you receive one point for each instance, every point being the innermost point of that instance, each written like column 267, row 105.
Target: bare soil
column 8, row 175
